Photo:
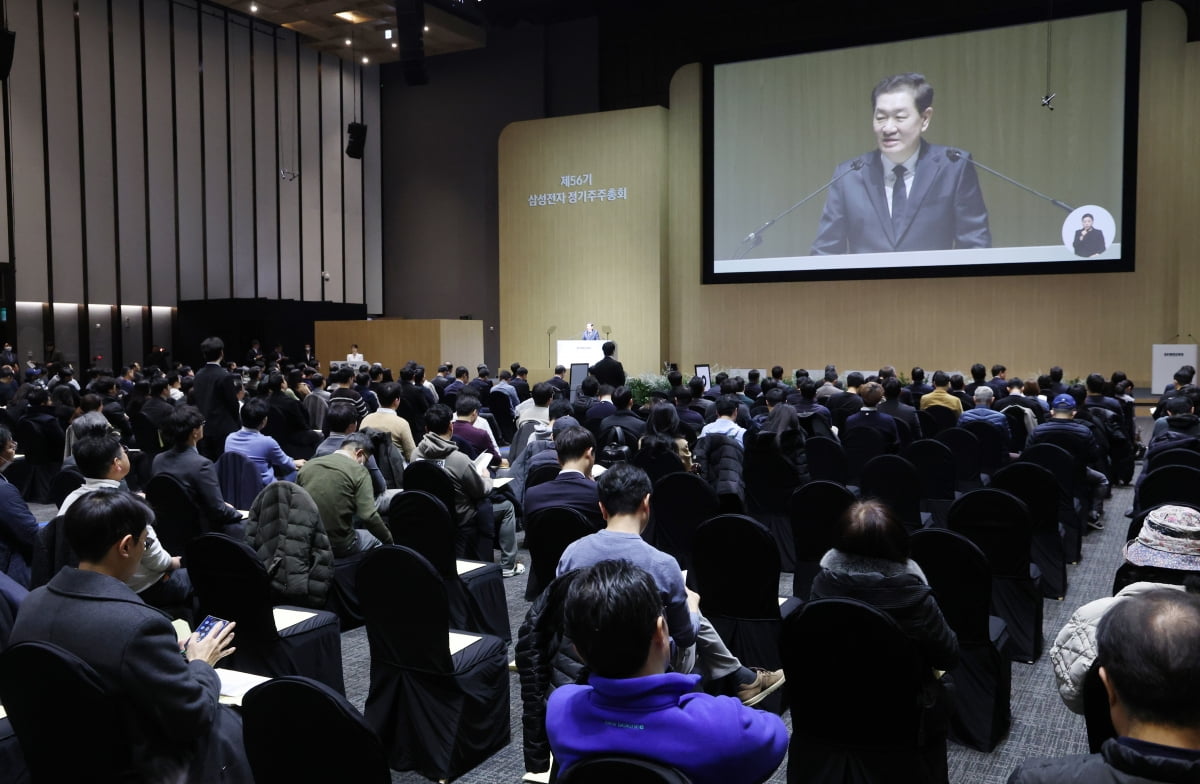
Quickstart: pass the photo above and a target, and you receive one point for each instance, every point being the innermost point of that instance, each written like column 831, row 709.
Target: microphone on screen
column 754, row 238
column 954, row 156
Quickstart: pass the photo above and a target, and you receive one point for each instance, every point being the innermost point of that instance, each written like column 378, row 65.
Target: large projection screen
column 780, row 128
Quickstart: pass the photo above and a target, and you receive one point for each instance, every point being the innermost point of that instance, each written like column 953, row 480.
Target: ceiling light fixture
column 365, row 61
column 347, row 42
column 427, row 28
column 253, row 8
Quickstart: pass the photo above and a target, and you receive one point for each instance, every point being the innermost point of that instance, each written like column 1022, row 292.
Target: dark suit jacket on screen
column 1089, row 244
column 945, row 209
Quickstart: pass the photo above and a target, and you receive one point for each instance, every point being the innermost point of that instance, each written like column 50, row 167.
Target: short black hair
column 542, row 393
column 559, row 370
column 608, row 348
column 891, row 387
column 727, row 405
column 573, row 442
column 622, row 396
column 95, row 452
column 461, row 372
column 868, row 528
column 978, row 372
column 254, row 412
column 1087, row 215
column 940, row 378
column 997, row 369
column 212, row 348
column 465, row 405
column 437, row 419
column 1056, row 374
column 589, row 386
column 560, row 409
column 918, row 375
column 182, row 422
column 854, row 379
column 774, row 396
column 611, row 614
column 340, row 416
column 101, row 518
column 808, row 389
column 622, row 487
column 956, row 381
column 1095, row 383
column 777, row 371
column 1149, row 647
column 388, row 393
column 1179, row 404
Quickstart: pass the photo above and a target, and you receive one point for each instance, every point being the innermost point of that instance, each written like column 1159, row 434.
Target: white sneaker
column 519, row 568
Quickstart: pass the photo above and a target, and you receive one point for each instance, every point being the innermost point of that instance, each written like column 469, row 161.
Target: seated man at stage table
column 167, row 692
column 1148, row 648
column 632, row 705
column 907, row 195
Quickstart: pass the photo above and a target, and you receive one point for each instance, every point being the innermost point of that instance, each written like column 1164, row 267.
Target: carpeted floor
column 1041, row 725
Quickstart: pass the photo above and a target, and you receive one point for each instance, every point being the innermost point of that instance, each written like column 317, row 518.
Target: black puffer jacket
column 720, row 459
column 286, row 532
column 545, row 661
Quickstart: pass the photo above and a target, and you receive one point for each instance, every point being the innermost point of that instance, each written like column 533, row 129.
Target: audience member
column 624, row 494
column 263, row 451
column 983, row 412
column 466, row 415
column 940, row 395
column 870, row 416
column 18, row 527
column 169, row 693
column 1062, row 430
column 386, row 419
column 614, row 617
column 574, row 486
column 216, row 395
column 726, row 422
column 184, row 463
column 341, row 486
column 608, row 370
column 623, row 417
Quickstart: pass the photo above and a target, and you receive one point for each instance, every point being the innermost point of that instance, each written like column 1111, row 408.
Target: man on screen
column 909, row 194
column 1089, row 241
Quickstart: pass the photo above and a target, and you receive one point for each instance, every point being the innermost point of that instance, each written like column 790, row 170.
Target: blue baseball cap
column 1063, row 402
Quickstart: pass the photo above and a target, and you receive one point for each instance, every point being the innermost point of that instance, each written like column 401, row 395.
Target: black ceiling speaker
column 358, row 138
column 8, row 40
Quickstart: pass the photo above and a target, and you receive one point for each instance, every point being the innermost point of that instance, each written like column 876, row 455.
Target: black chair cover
column 476, row 597
column 68, row 726
column 943, row 418
column 658, row 464
column 542, row 474
column 1038, row 488
column 827, row 460
column 894, row 480
column 1068, row 471
column 437, row 713
column 770, row 481
column 520, row 439
column 547, row 534
column 959, row 574
column 938, row 474
column 735, row 567
column 816, row 510
column 239, row 479
column 176, row 518
column 627, row 770
column 993, row 451
column 967, row 459
column 64, row 483
column 1171, row 484
column 1000, row 525
column 679, row 503
column 283, row 752
column 1183, row 456
column 231, row 583
column 833, row 737
column 861, row 444
column 51, row 553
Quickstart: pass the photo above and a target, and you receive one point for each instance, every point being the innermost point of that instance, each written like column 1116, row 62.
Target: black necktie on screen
column 899, row 200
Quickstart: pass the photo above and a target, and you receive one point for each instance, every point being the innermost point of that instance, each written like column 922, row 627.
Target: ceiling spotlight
column 427, row 28
column 348, row 42
column 253, row 8
column 365, row 61
column 395, row 45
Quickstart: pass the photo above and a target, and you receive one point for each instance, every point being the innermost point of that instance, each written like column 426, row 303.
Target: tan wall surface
column 568, row 264
column 392, row 342
column 1085, row 323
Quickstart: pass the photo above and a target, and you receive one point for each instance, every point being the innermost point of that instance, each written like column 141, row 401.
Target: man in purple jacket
column 632, row 705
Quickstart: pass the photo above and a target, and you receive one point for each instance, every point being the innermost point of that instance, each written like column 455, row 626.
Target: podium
column 577, row 351
column 1168, row 358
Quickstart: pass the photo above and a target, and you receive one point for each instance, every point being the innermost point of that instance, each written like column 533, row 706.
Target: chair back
column 316, row 407
column 929, row 425
column 146, row 435
column 658, row 464
column 895, row 481
column 1171, row 484
column 547, row 534
column 51, row 696
column 410, row 635
column 943, row 418
column 770, row 478
column 231, row 583
column 1018, row 429
column 861, row 445
column 1057, row 461
column 520, row 439
column 1097, row 715
column 735, row 564
column 1036, row 487
column 421, row 522
column 814, row 425
column 1184, row 456
column 679, row 504
column 626, row 769
column 815, row 511
column 176, row 518
column 330, row 722
column 993, row 451
column 961, row 579
column 999, row 523
column 431, row 478
column 499, row 403
column 884, row 671
column 935, row 467
column 542, row 474
column 240, row 481
column 827, row 460
column 965, row 447
column 65, row 482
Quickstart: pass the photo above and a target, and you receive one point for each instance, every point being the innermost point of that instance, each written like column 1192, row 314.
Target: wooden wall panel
column 566, row 264
column 28, row 161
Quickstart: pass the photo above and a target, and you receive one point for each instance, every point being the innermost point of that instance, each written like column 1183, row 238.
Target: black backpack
column 616, row 449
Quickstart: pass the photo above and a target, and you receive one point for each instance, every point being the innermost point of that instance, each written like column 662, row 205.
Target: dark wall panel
column 189, row 152
column 62, row 143
column 129, row 170
column 241, row 159
column 28, row 158
column 266, row 167
column 160, row 173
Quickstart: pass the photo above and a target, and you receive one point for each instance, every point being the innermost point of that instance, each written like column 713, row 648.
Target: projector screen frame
column 889, row 32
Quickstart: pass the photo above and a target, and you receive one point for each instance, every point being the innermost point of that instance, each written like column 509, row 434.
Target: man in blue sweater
column 632, row 705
